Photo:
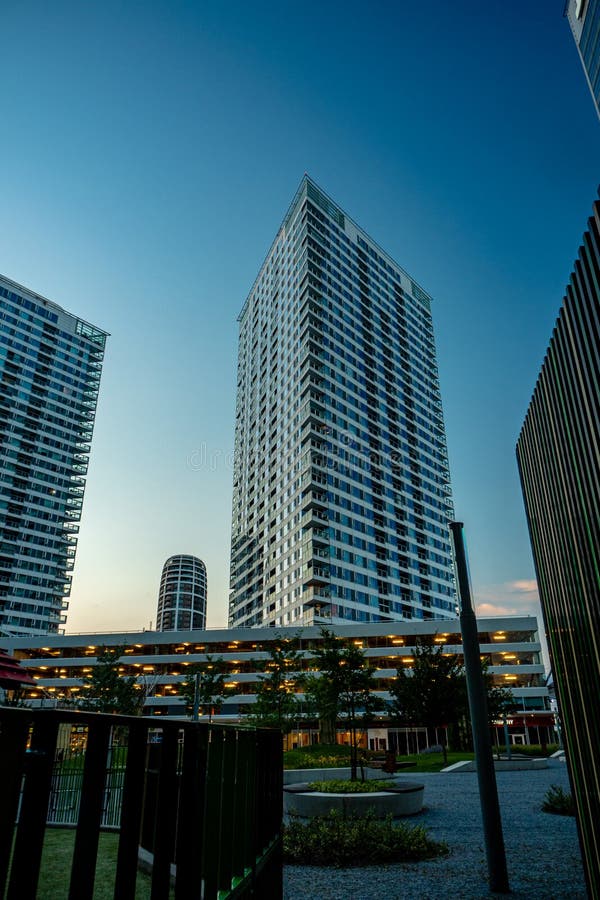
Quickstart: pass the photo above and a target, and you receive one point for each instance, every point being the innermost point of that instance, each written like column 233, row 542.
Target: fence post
column 27, row 856
column 83, row 870
column 13, row 741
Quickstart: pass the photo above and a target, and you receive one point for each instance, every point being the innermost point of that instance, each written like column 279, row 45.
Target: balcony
column 70, row 528
column 315, row 516
column 320, row 536
column 317, row 615
column 314, row 500
column 314, row 430
column 317, row 576
column 314, row 477
column 318, row 596
column 318, row 551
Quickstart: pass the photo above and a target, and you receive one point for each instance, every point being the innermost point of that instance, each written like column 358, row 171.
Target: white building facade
column 162, row 661
column 50, row 366
column 341, row 492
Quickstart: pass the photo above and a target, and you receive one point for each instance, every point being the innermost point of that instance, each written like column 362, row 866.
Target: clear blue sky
column 149, row 152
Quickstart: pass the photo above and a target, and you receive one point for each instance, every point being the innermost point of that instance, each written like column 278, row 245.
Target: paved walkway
column 542, row 850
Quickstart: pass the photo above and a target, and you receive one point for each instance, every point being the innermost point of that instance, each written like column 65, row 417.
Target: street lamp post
column 484, row 760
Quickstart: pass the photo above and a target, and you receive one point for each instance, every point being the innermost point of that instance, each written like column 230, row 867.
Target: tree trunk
column 353, row 748
column 327, row 730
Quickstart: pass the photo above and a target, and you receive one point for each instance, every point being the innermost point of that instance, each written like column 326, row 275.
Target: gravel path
column 542, row 850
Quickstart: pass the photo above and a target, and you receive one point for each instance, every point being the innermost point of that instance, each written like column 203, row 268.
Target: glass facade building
column 182, row 594
column 341, row 494
column 584, row 19
column 50, row 366
column 559, row 460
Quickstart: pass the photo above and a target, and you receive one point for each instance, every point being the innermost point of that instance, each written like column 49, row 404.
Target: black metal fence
column 202, row 801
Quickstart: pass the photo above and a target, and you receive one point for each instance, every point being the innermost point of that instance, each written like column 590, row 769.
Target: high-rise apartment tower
column 584, row 19
column 559, row 461
column 182, row 595
column 341, row 492
column 50, row 365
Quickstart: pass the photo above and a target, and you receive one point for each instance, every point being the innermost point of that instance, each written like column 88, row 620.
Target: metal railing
column 206, row 798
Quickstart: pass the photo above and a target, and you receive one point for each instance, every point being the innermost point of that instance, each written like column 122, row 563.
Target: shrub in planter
column 349, row 787
column 333, row 840
column 558, row 801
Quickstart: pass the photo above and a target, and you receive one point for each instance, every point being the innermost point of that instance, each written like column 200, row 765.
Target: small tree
column 433, row 692
column 205, row 688
column 276, row 703
column 499, row 699
column 343, row 689
column 322, row 697
column 104, row 690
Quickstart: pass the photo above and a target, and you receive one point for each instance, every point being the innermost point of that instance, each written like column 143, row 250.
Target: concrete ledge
column 146, row 861
column 403, row 799
column 291, row 776
column 501, row 765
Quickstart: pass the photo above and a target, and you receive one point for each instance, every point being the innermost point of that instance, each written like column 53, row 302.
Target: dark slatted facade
column 559, row 461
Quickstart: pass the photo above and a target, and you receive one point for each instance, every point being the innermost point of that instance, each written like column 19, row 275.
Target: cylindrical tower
column 182, row 595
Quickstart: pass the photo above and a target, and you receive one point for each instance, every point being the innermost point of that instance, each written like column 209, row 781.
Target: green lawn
column 56, row 867
column 323, row 756
column 433, row 762
column 318, row 756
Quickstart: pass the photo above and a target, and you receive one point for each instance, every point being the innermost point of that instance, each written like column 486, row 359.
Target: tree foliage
column 106, row 691
column 499, row 699
column 343, row 689
column 432, row 693
column 276, row 705
column 204, row 689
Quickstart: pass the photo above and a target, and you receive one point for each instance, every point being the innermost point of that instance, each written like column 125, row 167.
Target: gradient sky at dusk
column 149, row 153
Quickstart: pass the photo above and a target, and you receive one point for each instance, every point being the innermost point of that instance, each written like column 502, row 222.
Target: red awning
column 11, row 673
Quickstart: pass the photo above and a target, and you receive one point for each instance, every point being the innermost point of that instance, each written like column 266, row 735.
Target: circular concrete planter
column 404, row 798
column 291, row 776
